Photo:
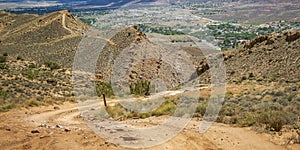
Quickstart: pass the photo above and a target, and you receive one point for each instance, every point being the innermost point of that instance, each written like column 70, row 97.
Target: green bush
column 273, row 120
column 104, row 88
column 32, row 74
column 4, row 94
column 141, row 88
column 167, row 108
column 145, row 115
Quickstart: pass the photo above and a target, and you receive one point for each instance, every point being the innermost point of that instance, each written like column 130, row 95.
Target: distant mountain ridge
column 111, row 3
column 50, row 37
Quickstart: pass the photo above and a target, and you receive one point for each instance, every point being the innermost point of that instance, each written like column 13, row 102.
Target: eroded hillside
column 266, row 58
column 51, row 37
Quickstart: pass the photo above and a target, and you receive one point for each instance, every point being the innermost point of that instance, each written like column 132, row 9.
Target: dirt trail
column 63, row 22
column 63, row 128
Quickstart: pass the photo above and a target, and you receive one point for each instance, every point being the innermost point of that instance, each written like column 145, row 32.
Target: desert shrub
column 167, row 108
column 116, row 111
column 32, row 74
column 32, row 66
column 19, row 90
column 52, row 65
column 141, row 87
column 47, row 74
column 3, row 66
column 32, row 103
column 273, row 120
column 3, row 59
column 251, row 75
column 4, row 94
column 145, row 115
column 7, row 107
column 243, row 78
column 201, row 108
column 246, row 119
column 19, row 58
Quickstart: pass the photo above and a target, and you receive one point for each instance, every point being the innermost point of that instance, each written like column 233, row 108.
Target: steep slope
column 139, row 57
column 265, row 58
column 51, row 37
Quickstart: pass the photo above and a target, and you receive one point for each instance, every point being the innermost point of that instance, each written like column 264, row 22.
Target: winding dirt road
column 62, row 127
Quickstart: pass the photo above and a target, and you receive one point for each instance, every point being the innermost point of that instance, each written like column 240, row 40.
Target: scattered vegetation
column 271, row 110
column 167, row 108
column 52, row 65
column 23, row 81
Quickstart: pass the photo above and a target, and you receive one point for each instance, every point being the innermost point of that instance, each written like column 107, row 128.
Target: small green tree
column 141, row 88
column 104, row 88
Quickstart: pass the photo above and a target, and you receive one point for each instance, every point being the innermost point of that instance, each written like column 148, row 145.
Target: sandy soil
column 61, row 127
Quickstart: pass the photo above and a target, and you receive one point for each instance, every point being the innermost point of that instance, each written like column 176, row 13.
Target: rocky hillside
column 265, row 58
column 51, row 37
column 115, row 46
column 22, row 81
column 138, row 55
column 54, row 38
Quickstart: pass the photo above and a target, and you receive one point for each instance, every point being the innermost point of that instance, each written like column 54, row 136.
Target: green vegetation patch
column 3, row 66
column 3, row 59
column 52, row 65
column 165, row 30
column 104, row 88
column 141, row 88
column 7, row 107
column 31, row 74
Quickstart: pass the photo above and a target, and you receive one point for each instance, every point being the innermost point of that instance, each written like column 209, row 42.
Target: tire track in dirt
column 219, row 136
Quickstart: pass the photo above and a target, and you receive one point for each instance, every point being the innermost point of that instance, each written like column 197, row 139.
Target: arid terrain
column 39, row 94
column 61, row 127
